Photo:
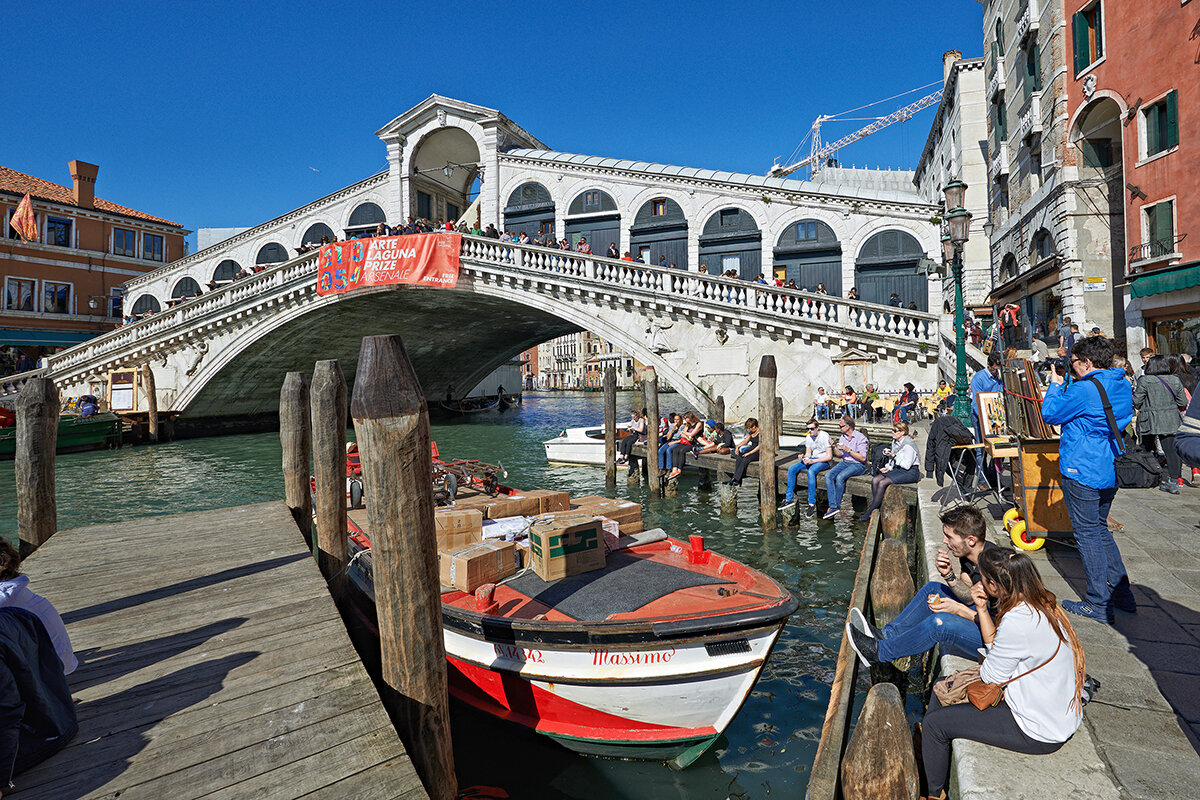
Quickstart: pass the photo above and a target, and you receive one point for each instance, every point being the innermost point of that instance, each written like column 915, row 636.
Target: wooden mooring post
column 151, row 400
column 37, row 410
column 329, row 471
column 295, row 434
column 718, row 408
column 879, row 762
column 392, row 426
column 650, row 403
column 610, row 427
column 768, row 443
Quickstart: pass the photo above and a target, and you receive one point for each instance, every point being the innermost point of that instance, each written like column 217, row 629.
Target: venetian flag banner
column 420, row 259
column 24, row 222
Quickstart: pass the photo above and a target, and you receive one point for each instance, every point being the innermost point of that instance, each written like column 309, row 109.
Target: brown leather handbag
column 988, row 695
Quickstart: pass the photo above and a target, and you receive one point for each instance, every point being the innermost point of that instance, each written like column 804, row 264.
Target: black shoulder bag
column 1136, row 468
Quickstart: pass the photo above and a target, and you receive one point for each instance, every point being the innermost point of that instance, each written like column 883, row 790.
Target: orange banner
column 421, row 259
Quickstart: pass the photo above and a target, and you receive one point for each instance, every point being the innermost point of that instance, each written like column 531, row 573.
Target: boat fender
column 356, row 494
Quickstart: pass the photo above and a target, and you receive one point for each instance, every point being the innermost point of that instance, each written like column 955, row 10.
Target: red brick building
column 66, row 287
column 1134, row 105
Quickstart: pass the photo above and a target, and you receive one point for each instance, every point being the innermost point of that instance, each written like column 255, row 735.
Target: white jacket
column 1041, row 702
column 16, row 594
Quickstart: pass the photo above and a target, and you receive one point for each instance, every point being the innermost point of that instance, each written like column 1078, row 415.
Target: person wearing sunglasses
column 901, row 466
column 818, row 456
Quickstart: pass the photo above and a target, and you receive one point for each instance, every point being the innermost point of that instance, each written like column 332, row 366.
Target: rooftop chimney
column 84, row 176
column 948, row 60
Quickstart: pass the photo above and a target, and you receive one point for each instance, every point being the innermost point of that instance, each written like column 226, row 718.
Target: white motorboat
column 580, row 445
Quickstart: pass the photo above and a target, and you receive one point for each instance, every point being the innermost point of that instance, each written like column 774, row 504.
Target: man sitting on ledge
column 940, row 613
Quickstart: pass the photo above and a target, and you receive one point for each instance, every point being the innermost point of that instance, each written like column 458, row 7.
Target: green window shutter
column 1037, row 68
column 1152, row 140
column 1164, row 227
column 1172, row 137
column 1099, row 32
column 1079, row 28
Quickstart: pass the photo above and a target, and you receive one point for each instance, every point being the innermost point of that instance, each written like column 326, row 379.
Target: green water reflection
column 768, row 748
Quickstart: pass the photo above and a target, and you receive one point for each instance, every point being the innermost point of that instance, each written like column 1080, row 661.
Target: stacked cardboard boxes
column 467, row 568
column 626, row 513
column 566, row 544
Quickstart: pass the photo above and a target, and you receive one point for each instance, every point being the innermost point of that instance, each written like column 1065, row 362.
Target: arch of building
column 146, row 302
column 887, row 264
column 731, row 239
column 186, row 287
column 449, row 139
column 314, row 233
column 271, row 253
column 660, row 230
column 1008, row 268
column 227, row 270
column 364, row 219
column 808, row 252
column 529, row 209
column 593, row 214
column 1042, row 246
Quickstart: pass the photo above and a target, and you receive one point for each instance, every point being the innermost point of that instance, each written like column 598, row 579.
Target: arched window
column 731, row 240
column 592, row 201
column 809, row 253
column 530, row 210
column 185, row 288
column 315, row 232
column 999, row 44
column 365, row 214
column 1043, row 245
column 146, row 302
column 660, row 230
column 885, row 271
column 271, row 253
column 1008, row 268
column 226, row 271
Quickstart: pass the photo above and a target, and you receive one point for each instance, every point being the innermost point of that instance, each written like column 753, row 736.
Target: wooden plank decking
column 213, row 664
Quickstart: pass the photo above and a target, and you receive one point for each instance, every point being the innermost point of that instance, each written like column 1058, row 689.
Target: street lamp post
column 958, row 226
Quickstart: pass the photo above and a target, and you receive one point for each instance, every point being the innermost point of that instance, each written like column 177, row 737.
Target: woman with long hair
column 1031, row 646
column 689, row 433
column 637, row 434
column 901, row 466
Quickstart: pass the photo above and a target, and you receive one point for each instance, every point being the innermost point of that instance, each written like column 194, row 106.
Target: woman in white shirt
column 1033, row 645
column 901, row 466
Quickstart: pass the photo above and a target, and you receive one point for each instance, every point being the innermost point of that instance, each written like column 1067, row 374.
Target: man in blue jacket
column 1086, row 452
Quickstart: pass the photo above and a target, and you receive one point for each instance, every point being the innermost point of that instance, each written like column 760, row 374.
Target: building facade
column 1133, row 100
column 1053, row 250
column 957, row 148
column 68, row 285
column 578, row 361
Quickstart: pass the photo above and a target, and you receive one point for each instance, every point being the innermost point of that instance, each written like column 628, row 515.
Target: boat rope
column 349, row 564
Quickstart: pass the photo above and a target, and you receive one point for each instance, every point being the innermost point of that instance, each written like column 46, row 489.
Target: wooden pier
column 213, row 663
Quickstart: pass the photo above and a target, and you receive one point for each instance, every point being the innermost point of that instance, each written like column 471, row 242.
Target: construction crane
column 818, row 153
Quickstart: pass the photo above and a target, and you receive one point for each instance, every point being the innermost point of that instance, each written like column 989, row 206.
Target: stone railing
column 11, row 385
column 1031, row 117
column 1000, row 159
column 489, row 259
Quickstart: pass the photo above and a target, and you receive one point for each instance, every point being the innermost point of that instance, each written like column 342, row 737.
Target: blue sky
column 219, row 114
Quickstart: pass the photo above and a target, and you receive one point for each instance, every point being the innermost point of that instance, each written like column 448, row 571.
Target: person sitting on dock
column 901, row 467
column 746, row 453
column 854, row 449
column 818, row 457
column 689, row 434
column 720, row 442
column 37, row 714
column 15, row 593
column 1033, row 652
column 637, row 434
column 668, row 437
column 939, row 613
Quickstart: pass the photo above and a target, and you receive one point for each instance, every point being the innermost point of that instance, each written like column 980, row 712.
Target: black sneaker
column 810, row 512
column 866, row 647
column 859, row 620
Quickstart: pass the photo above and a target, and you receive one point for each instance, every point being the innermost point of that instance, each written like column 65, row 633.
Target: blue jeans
column 823, row 411
column 1102, row 564
column 835, row 480
column 794, row 472
column 664, row 454
column 918, row 629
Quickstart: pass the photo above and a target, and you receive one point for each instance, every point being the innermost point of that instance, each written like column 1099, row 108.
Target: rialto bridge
column 223, row 352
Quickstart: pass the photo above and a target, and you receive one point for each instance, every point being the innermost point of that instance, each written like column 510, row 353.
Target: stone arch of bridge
column 243, row 377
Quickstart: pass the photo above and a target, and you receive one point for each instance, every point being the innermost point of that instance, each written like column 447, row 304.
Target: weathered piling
column 37, row 410
column 894, row 511
column 718, row 408
column 879, row 762
column 892, row 586
column 650, row 403
column 610, row 426
column 727, row 495
column 151, row 400
column 295, row 434
column 768, row 442
column 329, row 471
column 392, row 426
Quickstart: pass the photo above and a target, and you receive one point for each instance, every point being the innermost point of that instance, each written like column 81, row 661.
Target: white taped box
column 507, row 528
column 611, row 531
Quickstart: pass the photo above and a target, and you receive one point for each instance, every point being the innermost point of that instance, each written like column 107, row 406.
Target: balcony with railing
column 995, row 85
column 1155, row 253
column 1027, row 22
column 1031, row 117
column 999, row 165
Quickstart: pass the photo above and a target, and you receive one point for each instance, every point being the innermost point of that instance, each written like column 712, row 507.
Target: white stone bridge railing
column 778, row 312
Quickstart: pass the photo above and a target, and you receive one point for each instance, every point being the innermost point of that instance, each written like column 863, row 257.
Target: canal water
column 767, row 750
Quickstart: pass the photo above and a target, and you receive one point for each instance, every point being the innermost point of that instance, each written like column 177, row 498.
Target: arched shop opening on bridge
column 145, row 303
column 732, row 241
column 593, row 215
column 185, row 288
column 887, row 265
column 319, row 233
column 445, row 174
column 364, row 219
column 271, row 253
column 226, row 271
column 659, row 230
column 530, row 210
column 809, row 253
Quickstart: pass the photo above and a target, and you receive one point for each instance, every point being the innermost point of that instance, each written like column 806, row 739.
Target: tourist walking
column 853, row 449
column 901, row 466
column 1092, row 411
column 818, row 457
column 1159, row 398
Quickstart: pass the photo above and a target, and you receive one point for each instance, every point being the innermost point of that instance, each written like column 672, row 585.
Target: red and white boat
column 649, row 658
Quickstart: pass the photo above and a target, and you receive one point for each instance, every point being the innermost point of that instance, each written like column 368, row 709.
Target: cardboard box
column 550, row 500
column 515, row 505
column 566, row 545
column 468, row 568
column 457, row 527
column 626, row 513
